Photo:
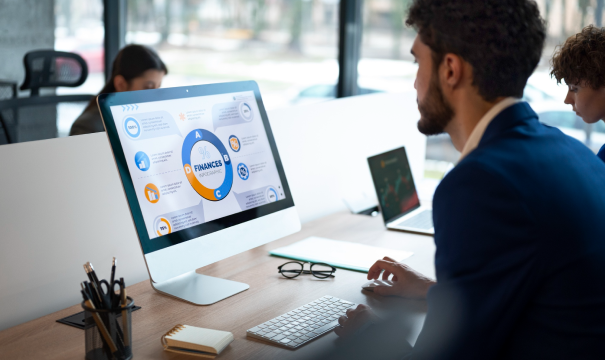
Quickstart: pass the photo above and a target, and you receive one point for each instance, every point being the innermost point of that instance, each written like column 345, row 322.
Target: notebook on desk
column 342, row 254
column 192, row 340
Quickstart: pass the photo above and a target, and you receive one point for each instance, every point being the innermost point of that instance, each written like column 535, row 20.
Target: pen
column 112, row 294
column 86, row 288
column 124, row 312
column 93, row 274
column 113, row 272
column 88, row 273
column 100, row 324
column 95, row 291
column 103, row 298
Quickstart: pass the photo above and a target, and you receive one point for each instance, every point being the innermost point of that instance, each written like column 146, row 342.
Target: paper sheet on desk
column 342, row 254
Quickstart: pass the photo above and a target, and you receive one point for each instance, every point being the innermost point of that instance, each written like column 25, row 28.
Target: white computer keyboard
column 304, row 323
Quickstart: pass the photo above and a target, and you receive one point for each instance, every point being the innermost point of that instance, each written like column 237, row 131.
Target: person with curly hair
column 519, row 222
column 580, row 62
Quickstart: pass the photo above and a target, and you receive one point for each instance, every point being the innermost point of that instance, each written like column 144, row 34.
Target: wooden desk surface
column 270, row 295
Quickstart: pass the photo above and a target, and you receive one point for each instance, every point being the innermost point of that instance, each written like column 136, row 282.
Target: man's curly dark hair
column 581, row 59
column 501, row 39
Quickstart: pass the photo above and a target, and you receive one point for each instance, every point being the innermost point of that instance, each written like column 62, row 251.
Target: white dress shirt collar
column 477, row 134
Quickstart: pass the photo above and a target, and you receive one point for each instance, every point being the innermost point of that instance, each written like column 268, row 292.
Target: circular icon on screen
column 242, row 171
column 142, row 161
column 245, row 111
column 234, row 143
column 132, row 127
column 162, row 226
column 152, row 193
column 271, row 195
column 207, row 165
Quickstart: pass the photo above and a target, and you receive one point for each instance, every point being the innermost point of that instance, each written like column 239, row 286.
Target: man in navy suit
column 520, row 221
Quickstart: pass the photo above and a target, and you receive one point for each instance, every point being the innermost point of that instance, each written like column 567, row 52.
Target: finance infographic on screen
column 197, row 159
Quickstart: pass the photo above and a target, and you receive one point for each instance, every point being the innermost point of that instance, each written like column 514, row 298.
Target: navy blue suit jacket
column 601, row 153
column 520, row 261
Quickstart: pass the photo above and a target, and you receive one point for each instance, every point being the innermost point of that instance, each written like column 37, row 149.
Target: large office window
column 79, row 29
column 288, row 46
column 387, row 66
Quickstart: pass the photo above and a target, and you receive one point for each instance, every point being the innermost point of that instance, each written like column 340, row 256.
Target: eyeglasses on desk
column 293, row 269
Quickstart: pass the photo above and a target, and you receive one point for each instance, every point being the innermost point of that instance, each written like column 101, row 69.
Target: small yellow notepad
column 192, row 340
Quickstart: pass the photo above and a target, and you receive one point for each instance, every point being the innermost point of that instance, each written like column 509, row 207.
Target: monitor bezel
column 105, row 101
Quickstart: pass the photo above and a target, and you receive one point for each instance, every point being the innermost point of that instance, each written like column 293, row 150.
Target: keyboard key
column 278, row 337
column 285, row 341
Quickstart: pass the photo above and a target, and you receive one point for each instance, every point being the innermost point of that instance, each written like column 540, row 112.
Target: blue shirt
column 601, row 153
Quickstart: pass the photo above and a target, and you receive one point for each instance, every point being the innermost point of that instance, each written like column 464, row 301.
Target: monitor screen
column 196, row 164
column 394, row 183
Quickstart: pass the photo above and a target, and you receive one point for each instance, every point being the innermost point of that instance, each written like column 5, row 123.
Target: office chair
column 43, row 69
column 8, row 90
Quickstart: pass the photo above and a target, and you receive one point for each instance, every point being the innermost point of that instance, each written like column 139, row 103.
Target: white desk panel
column 324, row 147
column 62, row 205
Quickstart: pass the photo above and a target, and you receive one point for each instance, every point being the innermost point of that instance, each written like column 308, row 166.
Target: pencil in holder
column 109, row 332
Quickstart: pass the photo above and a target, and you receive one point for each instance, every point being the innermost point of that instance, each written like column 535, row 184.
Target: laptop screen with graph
column 394, row 183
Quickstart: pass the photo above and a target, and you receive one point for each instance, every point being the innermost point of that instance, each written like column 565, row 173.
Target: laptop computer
column 397, row 196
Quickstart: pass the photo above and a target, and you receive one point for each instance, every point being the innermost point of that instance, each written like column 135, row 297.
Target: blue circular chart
column 142, row 161
column 132, row 127
column 245, row 111
column 242, row 171
column 221, row 191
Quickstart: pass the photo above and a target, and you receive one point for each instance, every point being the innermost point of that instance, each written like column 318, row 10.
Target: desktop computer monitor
column 203, row 179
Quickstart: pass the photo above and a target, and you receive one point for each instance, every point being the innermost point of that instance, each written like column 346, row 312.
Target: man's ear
column 120, row 83
column 452, row 71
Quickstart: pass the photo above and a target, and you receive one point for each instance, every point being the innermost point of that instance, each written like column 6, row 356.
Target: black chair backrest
column 50, row 68
column 43, row 68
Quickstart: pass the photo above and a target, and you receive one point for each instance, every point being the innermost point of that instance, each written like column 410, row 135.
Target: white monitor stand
column 199, row 289
column 172, row 270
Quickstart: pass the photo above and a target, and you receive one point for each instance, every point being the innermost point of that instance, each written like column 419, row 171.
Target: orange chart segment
column 163, row 227
column 197, row 186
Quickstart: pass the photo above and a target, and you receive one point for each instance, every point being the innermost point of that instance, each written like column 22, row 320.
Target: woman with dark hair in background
column 135, row 68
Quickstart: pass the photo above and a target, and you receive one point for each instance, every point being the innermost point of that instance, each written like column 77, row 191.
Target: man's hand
column 355, row 320
column 406, row 282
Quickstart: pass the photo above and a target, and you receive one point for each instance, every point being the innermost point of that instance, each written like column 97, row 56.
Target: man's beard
column 435, row 111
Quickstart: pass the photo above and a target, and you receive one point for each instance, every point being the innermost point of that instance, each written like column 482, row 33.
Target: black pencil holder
column 108, row 332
